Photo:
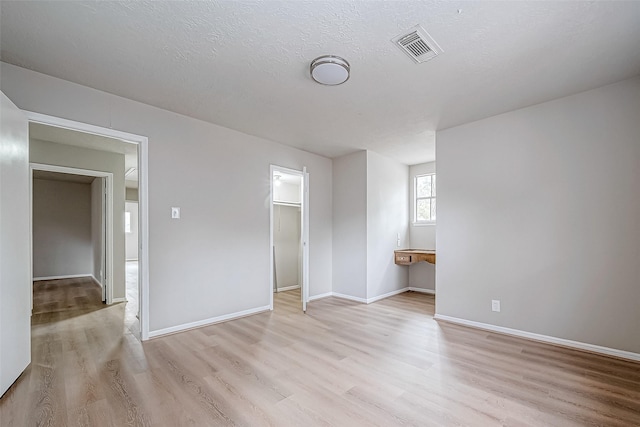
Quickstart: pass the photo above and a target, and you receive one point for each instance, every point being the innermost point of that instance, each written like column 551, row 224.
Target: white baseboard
column 374, row 299
column 349, row 297
column 232, row 316
column 115, row 300
column 320, row 296
column 422, row 290
column 96, row 280
column 288, row 288
column 387, row 295
column 70, row 276
column 206, row 322
column 542, row 338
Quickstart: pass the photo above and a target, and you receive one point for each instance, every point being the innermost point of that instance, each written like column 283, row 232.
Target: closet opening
column 289, row 239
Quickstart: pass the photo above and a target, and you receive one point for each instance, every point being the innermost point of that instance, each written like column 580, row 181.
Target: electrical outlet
column 495, row 305
column 175, row 213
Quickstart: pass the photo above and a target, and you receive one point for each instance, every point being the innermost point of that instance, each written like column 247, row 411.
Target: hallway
column 78, row 345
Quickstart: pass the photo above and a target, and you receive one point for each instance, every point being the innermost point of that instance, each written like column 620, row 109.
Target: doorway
column 71, row 225
column 140, row 146
column 131, row 254
column 289, row 235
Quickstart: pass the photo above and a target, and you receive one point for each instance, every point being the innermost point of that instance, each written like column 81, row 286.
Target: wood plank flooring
column 341, row 364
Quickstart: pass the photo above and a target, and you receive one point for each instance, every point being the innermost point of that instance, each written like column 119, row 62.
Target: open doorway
column 69, row 143
column 71, row 232
column 287, row 241
column 289, row 238
column 132, row 253
column 132, row 241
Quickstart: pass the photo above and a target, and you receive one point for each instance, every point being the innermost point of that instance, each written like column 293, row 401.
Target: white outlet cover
column 495, row 305
column 175, row 213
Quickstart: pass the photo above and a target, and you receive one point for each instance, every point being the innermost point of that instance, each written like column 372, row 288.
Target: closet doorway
column 289, row 235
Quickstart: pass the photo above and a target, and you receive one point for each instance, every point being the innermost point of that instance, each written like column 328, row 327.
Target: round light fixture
column 330, row 70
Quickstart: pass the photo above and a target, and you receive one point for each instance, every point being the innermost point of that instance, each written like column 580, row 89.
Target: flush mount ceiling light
column 330, row 70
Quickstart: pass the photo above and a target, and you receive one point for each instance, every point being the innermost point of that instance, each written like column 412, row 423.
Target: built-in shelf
column 283, row 203
column 411, row 256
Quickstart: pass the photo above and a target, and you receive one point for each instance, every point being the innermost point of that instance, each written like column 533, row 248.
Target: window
column 425, row 198
column 127, row 222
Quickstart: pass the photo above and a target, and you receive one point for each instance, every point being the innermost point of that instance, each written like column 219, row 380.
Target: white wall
column 370, row 208
column 286, row 240
column 540, row 208
column 225, row 207
column 97, row 228
column 131, row 239
column 350, row 225
column 77, row 157
column 423, row 236
column 387, row 213
column 61, row 229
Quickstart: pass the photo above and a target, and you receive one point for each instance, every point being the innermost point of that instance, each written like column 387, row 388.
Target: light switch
column 175, row 213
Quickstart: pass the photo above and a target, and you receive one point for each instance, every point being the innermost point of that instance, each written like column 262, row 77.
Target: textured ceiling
column 244, row 65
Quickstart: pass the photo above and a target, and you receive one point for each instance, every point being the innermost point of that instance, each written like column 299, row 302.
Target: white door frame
column 304, row 198
column 108, row 216
column 143, row 198
column 304, row 286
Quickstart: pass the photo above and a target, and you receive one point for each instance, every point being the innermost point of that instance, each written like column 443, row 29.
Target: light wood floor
column 342, row 364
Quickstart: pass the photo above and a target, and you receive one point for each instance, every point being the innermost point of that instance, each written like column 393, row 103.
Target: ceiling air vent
column 418, row 44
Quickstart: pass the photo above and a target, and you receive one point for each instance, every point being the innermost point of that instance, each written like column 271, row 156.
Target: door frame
column 143, row 199
column 304, row 225
column 107, row 217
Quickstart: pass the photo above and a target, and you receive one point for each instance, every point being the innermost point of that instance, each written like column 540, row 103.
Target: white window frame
column 416, row 198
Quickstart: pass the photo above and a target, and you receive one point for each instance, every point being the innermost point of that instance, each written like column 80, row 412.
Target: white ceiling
column 245, row 65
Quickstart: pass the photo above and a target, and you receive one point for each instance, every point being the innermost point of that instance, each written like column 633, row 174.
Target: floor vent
column 418, row 44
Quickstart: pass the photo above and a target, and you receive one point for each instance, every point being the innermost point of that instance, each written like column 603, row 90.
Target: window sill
column 423, row 224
